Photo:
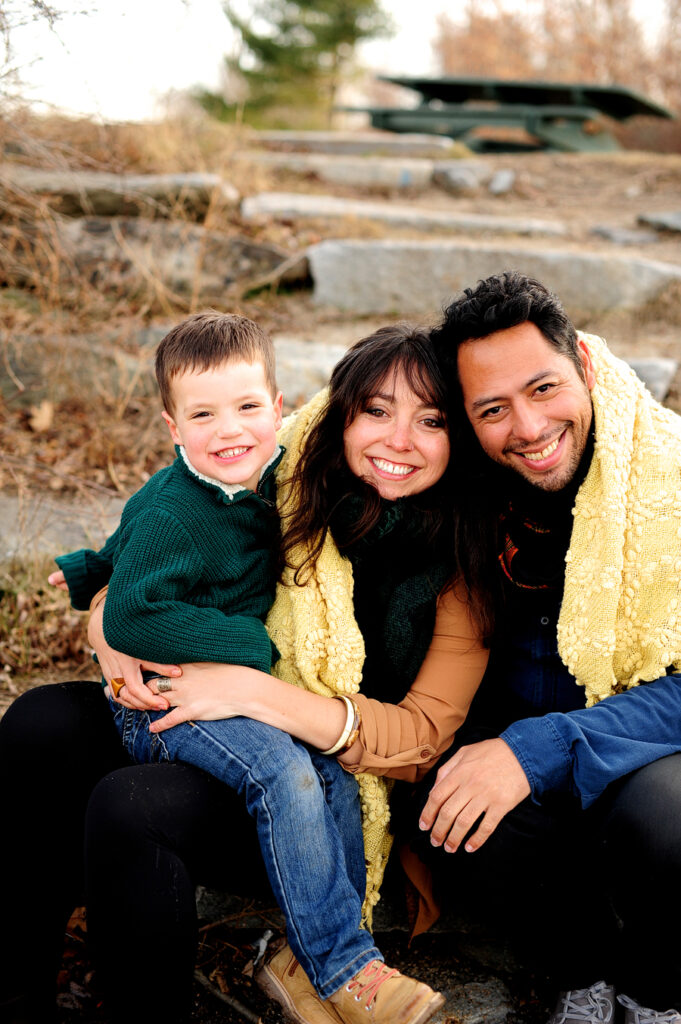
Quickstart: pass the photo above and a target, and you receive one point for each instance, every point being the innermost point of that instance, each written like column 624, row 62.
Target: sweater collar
column 231, row 491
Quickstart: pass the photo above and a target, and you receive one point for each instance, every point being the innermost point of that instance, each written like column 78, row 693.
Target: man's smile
column 545, row 453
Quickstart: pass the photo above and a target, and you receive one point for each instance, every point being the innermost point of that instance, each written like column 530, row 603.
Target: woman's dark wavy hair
column 494, row 304
column 322, row 479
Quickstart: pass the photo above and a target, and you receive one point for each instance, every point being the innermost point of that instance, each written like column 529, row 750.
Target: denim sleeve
column 583, row 751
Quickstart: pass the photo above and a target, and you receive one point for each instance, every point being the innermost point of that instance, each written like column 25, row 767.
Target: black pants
column 81, row 824
column 584, row 895
column 598, row 893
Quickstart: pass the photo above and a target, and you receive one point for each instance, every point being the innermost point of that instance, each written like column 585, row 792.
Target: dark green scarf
column 398, row 576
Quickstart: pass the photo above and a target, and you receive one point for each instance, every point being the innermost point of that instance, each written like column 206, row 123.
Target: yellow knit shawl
column 620, row 620
column 321, row 647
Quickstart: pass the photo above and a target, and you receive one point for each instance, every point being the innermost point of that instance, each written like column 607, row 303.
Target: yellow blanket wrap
column 321, row 647
column 620, row 620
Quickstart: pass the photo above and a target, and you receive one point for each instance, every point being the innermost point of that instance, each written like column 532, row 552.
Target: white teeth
column 544, row 454
column 392, row 467
column 230, row 453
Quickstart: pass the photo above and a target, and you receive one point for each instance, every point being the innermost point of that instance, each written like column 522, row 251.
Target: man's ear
column 278, row 405
column 174, row 433
column 587, row 363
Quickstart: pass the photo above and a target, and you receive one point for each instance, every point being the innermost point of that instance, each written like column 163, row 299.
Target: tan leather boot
column 379, row 994
column 284, row 980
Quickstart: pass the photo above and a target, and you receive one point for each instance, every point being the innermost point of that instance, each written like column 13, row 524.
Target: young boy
column 192, row 567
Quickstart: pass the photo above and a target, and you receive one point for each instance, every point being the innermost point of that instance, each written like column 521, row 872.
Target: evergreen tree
column 294, row 53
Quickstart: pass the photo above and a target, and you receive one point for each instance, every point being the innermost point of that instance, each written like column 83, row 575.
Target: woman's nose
column 401, row 437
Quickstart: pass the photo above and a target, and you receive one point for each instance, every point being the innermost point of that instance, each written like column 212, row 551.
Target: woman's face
column 397, row 444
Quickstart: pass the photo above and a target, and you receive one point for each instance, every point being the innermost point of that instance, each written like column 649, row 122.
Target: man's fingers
column 487, row 826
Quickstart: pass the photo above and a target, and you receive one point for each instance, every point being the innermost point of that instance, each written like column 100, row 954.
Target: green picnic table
column 552, row 115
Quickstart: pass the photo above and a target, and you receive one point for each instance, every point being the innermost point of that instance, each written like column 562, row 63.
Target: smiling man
column 560, row 807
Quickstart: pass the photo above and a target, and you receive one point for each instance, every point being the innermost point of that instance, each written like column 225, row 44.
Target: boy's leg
column 311, row 862
column 342, row 798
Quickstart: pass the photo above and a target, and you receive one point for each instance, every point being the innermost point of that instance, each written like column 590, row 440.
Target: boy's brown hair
column 205, row 341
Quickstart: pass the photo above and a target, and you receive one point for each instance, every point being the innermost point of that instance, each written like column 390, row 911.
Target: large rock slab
column 78, row 193
column 128, row 256
column 369, row 172
column 374, row 143
column 294, row 205
column 415, row 277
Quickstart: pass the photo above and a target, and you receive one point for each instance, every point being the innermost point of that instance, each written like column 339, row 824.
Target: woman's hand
column 204, row 692
column 114, row 665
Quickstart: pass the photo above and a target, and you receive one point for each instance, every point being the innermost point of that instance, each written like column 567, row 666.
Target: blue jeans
column 306, row 809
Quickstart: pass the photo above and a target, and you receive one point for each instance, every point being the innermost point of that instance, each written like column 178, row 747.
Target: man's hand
column 483, row 779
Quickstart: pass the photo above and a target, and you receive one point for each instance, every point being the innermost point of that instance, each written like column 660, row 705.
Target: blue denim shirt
column 561, row 745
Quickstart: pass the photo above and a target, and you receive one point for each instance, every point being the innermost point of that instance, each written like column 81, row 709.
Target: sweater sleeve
column 146, row 614
column 87, row 571
column 583, row 751
column 404, row 740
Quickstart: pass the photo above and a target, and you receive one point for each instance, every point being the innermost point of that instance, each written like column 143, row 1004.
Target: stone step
column 418, row 277
column 374, row 143
column 299, row 205
column 376, row 172
column 76, row 193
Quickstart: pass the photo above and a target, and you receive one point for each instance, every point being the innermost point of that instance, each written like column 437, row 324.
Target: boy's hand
column 57, row 579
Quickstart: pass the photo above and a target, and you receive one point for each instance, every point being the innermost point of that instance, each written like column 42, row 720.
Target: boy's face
column 226, row 419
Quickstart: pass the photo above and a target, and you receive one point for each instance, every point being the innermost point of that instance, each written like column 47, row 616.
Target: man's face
column 530, row 409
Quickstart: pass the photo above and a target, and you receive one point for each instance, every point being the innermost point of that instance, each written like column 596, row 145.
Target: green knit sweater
column 192, row 571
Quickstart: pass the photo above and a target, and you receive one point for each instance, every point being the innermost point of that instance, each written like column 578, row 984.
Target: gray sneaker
column 594, row 1005
column 636, row 1014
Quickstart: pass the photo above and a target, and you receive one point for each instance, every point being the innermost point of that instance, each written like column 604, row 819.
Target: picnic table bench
column 552, row 115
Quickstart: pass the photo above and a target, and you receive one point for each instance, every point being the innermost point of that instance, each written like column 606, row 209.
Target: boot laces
column 369, row 980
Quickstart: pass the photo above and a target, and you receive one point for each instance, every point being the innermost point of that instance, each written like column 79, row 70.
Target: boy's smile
column 226, row 419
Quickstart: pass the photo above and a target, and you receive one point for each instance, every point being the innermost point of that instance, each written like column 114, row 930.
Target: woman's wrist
column 350, row 731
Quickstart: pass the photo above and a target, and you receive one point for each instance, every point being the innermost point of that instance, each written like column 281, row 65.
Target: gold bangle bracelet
column 350, row 707
column 357, row 721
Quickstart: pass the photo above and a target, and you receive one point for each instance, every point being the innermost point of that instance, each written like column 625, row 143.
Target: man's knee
column 644, row 820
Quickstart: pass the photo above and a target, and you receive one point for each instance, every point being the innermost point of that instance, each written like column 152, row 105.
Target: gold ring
column 163, row 684
column 117, row 685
